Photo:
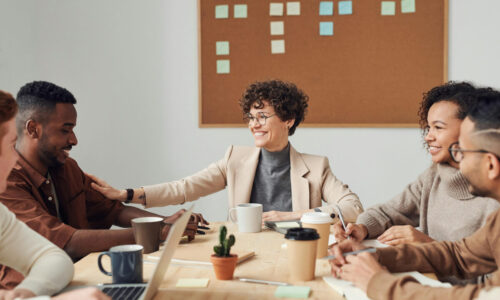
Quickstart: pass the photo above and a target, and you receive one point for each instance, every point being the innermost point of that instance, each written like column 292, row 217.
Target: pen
column 369, row 250
column 200, row 232
column 341, row 217
column 263, row 281
column 203, row 227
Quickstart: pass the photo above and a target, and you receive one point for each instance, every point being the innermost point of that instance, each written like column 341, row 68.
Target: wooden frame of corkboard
column 371, row 73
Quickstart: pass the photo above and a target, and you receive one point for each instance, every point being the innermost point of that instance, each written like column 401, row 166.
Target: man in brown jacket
column 50, row 193
column 478, row 153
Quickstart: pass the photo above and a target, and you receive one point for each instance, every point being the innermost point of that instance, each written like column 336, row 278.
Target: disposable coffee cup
column 301, row 251
column 126, row 263
column 147, row 232
column 248, row 217
column 321, row 222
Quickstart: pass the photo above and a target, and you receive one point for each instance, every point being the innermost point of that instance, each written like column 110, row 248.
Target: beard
column 48, row 153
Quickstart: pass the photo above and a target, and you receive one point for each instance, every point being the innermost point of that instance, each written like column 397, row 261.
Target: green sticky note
column 222, row 48
column 292, row 292
column 240, row 11
column 192, row 282
column 388, row 8
column 223, row 66
column 407, row 6
column 221, row 11
column 345, row 7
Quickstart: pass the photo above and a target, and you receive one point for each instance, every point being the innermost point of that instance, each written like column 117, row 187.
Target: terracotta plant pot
column 224, row 266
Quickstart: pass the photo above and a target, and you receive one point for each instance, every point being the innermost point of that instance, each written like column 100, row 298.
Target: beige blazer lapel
column 244, row 177
column 300, row 185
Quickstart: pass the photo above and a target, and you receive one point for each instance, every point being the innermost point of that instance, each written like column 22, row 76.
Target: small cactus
column 224, row 248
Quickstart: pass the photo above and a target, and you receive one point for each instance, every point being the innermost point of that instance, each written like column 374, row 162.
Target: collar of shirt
column 35, row 177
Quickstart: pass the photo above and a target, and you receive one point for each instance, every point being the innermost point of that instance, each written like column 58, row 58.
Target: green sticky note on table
column 240, row 11
column 223, row 66
column 222, row 48
column 221, row 11
column 292, row 292
column 192, row 282
column 407, row 6
column 388, row 8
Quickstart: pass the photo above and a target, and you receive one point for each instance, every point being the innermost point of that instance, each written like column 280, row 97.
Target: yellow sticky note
column 275, row 9
column 287, row 224
column 293, row 8
column 388, row 8
column 278, row 46
column 192, row 282
column 277, row 28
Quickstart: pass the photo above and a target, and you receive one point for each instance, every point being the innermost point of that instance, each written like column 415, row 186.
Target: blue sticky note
column 345, row 7
column 223, row 66
column 325, row 28
column 292, row 292
column 326, row 8
column 407, row 6
column 221, row 11
column 388, row 8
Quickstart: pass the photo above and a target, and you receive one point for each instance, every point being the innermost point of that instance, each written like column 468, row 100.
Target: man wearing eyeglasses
column 478, row 153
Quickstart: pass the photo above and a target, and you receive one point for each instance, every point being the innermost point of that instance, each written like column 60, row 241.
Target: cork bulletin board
column 363, row 63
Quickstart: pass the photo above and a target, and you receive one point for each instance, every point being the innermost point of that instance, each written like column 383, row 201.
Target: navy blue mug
column 126, row 263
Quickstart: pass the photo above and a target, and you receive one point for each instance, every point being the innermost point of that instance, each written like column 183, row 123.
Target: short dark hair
column 288, row 101
column 449, row 91
column 37, row 100
column 8, row 107
column 486, row 110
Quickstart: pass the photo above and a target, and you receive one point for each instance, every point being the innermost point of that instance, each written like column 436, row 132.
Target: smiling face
column 444, row 129
column 8, row 154
column 57, row 136
column 273, row 136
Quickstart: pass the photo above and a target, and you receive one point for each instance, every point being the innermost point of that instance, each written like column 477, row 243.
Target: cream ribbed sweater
column 438, row 202
column 47, row 268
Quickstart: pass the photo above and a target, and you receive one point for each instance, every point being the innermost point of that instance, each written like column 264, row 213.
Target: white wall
column 133, row 67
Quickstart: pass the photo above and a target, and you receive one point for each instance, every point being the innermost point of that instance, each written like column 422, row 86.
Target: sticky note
column 287, row 224
column 221, row 11
column 407, row 6
column 192, row 282
column 275, row 9
column 345, row 7
column 292, row 292
column 223, row 66
column 293, row 8
column 326, row 8
column 277, row 28
column 277, row 46
column 222, row 48
column 388, row 8
column 240, row 11
column 325, row 28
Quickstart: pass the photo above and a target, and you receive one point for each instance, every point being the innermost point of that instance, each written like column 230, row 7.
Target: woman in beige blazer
column 287, row 183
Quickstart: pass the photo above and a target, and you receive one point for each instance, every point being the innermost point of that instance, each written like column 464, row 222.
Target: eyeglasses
column 457, row 154
column 261, row 118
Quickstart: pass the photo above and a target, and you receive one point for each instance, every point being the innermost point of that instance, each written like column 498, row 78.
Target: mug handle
column 99, row 263
column 230, row 214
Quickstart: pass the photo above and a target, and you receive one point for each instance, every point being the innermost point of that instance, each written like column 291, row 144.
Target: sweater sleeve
column 47, row 268
column 468, row 258
column 207, row 181
column 403, row 209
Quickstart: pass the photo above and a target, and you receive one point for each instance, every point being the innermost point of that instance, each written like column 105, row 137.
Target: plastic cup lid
column 316, row 218
column 302, row 234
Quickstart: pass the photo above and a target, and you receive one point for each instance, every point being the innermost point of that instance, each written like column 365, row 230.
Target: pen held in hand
column 369, row 250
column 200, row 232
column 204, row 227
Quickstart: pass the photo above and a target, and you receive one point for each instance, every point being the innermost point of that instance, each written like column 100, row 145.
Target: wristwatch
column 130, row 195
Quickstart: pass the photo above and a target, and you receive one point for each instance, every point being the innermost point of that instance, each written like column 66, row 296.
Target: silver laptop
column 148, row 291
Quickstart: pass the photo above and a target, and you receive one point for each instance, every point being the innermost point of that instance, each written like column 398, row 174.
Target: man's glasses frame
column 457, row 154
column 261, row 118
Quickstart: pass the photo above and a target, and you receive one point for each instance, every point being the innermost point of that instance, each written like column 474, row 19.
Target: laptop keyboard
column 124, row 292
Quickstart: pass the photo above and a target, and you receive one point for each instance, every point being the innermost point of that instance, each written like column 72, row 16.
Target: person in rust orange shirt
column 50, row 193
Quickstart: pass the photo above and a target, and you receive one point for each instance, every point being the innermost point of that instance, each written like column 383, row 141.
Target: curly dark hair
column 288, row 101
column 485, row 112
column 37, row 100
column 8, row 107
column 449, row 91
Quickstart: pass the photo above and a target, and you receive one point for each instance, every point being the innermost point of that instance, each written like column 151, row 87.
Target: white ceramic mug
column 248, row 217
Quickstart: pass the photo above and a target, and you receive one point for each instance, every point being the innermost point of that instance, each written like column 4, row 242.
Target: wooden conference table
column 269, row 263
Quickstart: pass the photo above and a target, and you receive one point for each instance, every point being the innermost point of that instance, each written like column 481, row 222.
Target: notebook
column 147, row 291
